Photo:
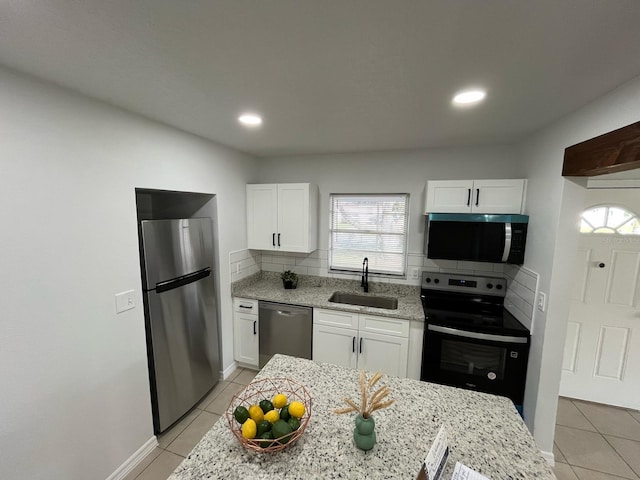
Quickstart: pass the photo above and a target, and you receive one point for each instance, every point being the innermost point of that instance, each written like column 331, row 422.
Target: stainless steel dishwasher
column 284, row 329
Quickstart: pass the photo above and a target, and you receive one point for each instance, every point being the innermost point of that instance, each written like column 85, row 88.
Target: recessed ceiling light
column 250, row 120
column 468, row 97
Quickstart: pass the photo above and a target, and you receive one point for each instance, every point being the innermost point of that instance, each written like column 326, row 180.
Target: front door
column 602, row 350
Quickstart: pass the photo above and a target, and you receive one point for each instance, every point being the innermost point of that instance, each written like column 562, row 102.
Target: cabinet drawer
column 384, row 325
column 335, row 318
column 243, row 305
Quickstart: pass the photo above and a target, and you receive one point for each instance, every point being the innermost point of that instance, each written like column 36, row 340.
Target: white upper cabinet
column 282, row 217
column 475, row 196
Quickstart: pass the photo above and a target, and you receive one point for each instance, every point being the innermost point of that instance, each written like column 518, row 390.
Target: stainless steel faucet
column 365, row 274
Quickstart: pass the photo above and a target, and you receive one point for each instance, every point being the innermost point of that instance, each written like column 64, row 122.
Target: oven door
column 476, row 361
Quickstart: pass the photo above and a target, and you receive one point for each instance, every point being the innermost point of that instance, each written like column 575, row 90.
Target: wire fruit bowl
column 267, row 389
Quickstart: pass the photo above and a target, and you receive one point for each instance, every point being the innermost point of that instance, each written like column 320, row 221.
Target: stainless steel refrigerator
column 180, row 315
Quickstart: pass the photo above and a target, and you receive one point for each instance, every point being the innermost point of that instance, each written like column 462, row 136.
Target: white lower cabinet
column 378, row 343
column 245, row 331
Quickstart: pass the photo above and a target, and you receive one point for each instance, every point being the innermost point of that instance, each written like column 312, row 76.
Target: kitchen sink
column 389, row 303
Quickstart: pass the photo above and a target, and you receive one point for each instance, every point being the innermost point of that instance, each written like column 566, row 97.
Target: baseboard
column 549, row 457
column 133, row 461
column 226, row 373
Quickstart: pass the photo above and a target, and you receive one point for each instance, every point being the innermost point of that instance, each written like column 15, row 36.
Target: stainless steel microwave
column 476, row 237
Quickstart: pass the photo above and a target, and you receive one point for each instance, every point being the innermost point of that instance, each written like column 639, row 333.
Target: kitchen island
column 485, row 433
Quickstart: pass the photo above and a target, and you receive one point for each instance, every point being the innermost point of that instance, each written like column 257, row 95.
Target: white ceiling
column 331, row 76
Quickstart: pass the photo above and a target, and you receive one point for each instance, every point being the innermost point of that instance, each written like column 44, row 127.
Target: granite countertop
column 485, row 433
column 315, row 292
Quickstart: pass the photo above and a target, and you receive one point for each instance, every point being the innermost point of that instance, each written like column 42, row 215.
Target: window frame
column 606, row 229
column 405, row 252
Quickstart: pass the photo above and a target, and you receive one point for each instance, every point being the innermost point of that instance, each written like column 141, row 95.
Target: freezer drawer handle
column 182, row 281
column 284, row 313
column 254, row 327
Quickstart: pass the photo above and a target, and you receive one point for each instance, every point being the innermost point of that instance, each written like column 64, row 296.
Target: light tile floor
column 176, row 443
column 593, row 442
column 596, row 442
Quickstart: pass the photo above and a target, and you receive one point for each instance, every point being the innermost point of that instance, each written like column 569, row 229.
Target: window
column 609, row 219
column 372, row 226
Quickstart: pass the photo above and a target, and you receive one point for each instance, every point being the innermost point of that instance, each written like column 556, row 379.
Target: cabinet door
column 262, row 219
column 293, row 217
column 383, row 353
column 449, row 196
column 245, row 338
column 335, row 345
column 497, row 196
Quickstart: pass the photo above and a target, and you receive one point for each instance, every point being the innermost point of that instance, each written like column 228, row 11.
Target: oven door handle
column 476, row 335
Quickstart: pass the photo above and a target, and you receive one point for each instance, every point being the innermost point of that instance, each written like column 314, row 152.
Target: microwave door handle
column 476, row 335
column 507, row 241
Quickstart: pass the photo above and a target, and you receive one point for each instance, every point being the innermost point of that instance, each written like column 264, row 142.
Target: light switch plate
column 415, row 273
column 125, row 301
column 542, row 301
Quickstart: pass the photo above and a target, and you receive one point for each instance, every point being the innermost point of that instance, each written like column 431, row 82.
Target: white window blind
column 372, row 226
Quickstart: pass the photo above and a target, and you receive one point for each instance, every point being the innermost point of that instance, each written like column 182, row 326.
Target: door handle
column 477, row 196
column 353, row 345
column 254, row 327
column 468, row 197
column 360, row 345
column 278, row 239
column 273, row 239
column 601, row 265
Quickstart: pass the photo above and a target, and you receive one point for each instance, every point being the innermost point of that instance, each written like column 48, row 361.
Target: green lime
column 241, row 414
column 264, row 426
column 266, row 436
column 280, row 429
column 266, row 406
column 294, row 423
column 284, row 413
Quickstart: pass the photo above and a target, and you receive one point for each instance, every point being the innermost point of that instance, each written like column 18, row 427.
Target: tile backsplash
column 521, row 291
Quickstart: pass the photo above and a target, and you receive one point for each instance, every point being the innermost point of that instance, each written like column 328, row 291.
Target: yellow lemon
column 256, row 413
column 249, row 429
column 296, row 409
column 279, row 400
column 272, row 416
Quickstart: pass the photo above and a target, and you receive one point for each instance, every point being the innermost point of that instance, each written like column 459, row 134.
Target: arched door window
column 610, row 219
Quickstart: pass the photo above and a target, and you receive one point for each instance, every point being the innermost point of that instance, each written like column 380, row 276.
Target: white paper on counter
column 462, row 472
column 437, row 456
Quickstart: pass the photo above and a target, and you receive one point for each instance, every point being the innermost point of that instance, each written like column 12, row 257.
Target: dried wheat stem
column 380, row 393
column 375, row 379
column 363, row 389
column 379, row 406
column 346, row 410
column 352, row 404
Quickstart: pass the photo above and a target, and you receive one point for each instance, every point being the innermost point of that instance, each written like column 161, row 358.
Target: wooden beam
column 616, row 151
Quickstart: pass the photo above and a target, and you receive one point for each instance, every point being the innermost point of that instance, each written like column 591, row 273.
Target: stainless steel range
column 470, row 340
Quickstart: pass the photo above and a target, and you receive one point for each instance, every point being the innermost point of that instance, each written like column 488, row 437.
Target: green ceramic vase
column 364, row 434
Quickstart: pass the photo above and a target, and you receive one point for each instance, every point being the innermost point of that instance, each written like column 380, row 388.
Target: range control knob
column 489, row 286
column 499, row 287
column 428, row 279
column 436, row 280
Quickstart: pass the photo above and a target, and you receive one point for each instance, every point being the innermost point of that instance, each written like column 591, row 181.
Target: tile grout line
column 585, row 417
column 618, row 453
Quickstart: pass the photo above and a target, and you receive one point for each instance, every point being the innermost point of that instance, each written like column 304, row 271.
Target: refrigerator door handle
column 182, row 281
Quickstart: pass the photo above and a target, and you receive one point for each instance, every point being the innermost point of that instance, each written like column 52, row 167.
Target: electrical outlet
column 415, row 273
column 542, row 301
column 238, row 267
column 125, row 301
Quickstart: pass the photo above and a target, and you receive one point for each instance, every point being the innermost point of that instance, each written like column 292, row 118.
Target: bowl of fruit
column 269, row 414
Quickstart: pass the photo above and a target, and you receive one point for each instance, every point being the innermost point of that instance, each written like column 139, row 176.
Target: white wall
column 75, row 396
column 389, row 172
column 554, row 204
